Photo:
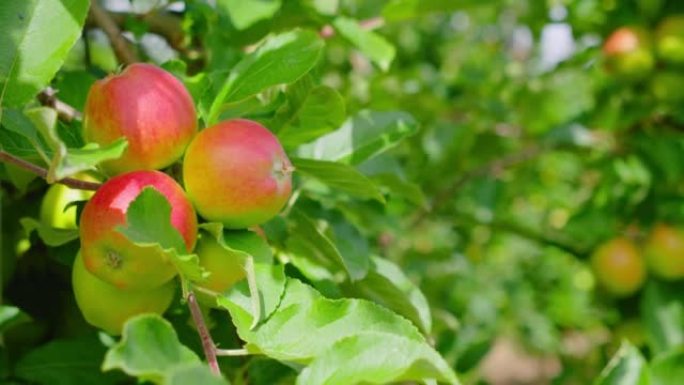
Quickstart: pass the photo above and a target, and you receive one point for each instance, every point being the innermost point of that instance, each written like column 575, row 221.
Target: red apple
column 108, row 254
column 628, row 53
column 237, row 173
column 150, row 108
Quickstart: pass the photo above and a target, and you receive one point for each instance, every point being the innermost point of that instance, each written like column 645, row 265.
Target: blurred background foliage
column 528, row 155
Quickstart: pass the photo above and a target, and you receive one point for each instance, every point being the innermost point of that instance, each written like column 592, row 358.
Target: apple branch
column 42, row 172
column 65, row 112
column 121, row 47
column 207, row 342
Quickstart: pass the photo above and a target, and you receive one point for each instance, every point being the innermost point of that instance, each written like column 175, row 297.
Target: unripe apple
column 147, row 106
column 57, row 197
column 107, row 307
column 619, row 267
column 237, row 173
column 225, row 266
column 108, row 254
column 668, row 86
column 670, row 39
column 665, row 252
column 628, row 53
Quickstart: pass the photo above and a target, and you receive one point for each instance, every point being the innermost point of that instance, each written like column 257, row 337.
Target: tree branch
column 161, row 23
column 495, row 166
column 42, row 172
column 207, row 342
column 121, row 47
column 65, row 112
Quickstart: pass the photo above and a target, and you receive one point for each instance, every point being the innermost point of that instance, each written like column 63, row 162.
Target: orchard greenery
column 322, row 192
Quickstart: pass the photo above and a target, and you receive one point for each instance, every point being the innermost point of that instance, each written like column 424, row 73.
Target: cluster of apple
column 235, row 172
column 632, row 53
column 621, row 266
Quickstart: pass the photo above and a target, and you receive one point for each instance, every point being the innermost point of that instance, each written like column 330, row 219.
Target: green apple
column 670, row 39
column 627, row 53
column 107, row 307
column 58, row 196
column 665, row 252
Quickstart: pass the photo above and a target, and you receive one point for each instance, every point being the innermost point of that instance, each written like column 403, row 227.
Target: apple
column 668, row 86
column 628, row 53
column 57, row 197
column 225, row 267
column 108, row 307
column 237, row 173
column 108, row 254
column 670, row 39
column 147, row 106
column 619, row 267
column 664, row 251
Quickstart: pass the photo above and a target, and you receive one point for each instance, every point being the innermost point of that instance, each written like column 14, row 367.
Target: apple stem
column 42, row 172
column 207, row 342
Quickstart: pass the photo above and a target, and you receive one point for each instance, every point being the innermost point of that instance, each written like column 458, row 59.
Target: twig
column 65, row 112
column 496, row 166
column 207, row 342
column 161, row 23
column 42, row 172
column 121, row 47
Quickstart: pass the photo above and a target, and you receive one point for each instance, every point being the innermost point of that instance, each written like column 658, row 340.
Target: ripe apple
column 108, row 254
column 665, row 252
column 58, row 196
column 670, row 39
column 237, row 173
column 628, row 53
column 619, row 267
column 107, row 307
column 150, row 108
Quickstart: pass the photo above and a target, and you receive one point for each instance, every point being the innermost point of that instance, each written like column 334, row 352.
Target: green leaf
column 306, row 118
column 309, row 241
column 401, row 188
column 339, row 176
column 49, row 235
column 29, row 143
column 35, row 37
column 306, row 324
column 281, row 59
column 323, row 7
column 149, row 225
column 193, row 374
column 379, row 50
column 11, row 316
column 362, row 136
column 397, row 10
column 66, row 162
column 662, row 311
column 149, row 349
column 245, row 242
column 627, row 367
column 271, row 286
column 244, row 13
column 376, row 358
column 668, row 368
column 66, row 362
column 387, row 285
column 307, row 327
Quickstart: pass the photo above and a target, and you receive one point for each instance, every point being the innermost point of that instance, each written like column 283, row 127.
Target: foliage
column 457, row 163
